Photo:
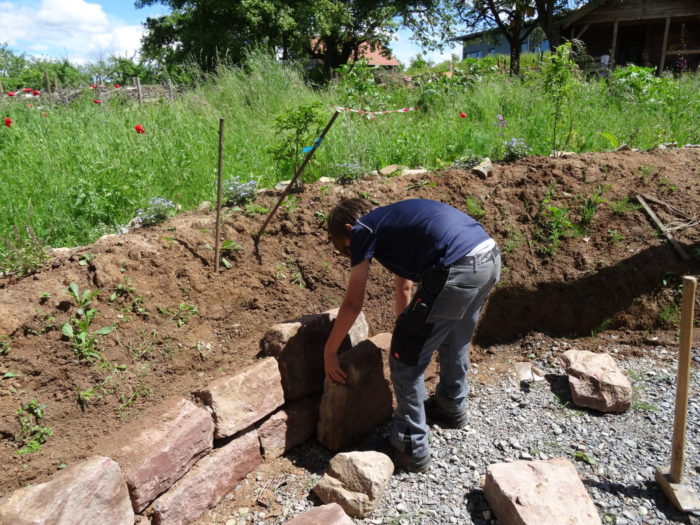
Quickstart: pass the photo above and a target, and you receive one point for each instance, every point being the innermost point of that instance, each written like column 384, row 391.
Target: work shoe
column 436, row 414
column 402, row 460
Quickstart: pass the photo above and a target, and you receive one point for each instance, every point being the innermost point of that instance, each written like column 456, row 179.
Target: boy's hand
column 332, row 367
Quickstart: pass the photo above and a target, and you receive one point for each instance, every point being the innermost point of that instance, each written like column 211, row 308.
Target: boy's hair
column 347, row 211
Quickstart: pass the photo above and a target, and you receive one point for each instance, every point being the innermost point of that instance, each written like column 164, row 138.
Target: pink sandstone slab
column 92, row 491
column 214, row 476
column 289, row 426
column 240, row 400
column 331, row 514
column 157, row 449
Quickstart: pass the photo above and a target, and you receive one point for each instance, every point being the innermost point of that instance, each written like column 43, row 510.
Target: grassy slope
column 82, row 169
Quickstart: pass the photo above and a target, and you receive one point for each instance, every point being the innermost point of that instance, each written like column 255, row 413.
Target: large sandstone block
column 161, row 447
column 209, row 480
column 245, row 398
column 596, row 381
column 356, row 481
column 288, row 427
column 349, row 411
column 539, row 493
column 298, row 347
column 331, row 514
column 92, row 491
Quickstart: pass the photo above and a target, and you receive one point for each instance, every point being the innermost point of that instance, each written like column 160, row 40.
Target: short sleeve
column 362, row 245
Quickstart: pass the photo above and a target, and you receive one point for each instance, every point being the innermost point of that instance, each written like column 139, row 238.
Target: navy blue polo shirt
column 412, row 236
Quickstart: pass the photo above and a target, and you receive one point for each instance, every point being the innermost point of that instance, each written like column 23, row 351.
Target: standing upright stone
column 349, row 411
column 90, row 492
column 298, row 347
column 596, row 381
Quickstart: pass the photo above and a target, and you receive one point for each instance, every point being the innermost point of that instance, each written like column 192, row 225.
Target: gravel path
column 615, row 455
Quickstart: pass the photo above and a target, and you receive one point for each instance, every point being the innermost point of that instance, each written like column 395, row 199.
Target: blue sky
column 86, row 30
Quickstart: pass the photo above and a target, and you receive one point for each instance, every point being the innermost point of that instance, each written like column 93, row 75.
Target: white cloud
column 75, row 29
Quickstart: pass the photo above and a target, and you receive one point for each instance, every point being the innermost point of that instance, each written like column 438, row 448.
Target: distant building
column 658, row 33
column 493, row 42
column 378, row 58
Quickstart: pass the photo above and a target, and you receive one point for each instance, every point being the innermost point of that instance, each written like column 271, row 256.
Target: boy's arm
column 349, row 310
column 404, row 288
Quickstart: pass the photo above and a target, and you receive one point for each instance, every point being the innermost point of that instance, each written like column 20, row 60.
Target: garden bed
column 178, row 325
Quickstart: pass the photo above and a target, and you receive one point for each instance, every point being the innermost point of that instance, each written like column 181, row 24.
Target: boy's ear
column 347, row 227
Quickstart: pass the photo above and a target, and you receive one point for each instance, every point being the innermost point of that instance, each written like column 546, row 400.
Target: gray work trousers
column 442, row 315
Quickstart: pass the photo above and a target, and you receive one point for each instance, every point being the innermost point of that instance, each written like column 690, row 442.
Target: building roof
column 374, row 57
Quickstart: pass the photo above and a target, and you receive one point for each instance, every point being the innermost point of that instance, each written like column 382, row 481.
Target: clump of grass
column 474, row 208
column 22, row 254
column 623, row 206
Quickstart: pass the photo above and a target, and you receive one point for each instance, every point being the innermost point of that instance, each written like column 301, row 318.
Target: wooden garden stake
column 48, row 83
column 170, row 89
column 670, row 479
column 218, row 195
column 286, row 191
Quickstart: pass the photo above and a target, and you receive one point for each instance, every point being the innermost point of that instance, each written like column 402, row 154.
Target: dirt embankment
column 179, row 325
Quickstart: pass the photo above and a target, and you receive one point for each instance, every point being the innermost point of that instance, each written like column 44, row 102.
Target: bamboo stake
column 138, row 90
column 218, row 195
column 310, row 154
column 679, row 419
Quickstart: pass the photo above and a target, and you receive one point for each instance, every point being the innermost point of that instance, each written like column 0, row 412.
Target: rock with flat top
column 350, row 411
column 484, row 168
column 596, row 381
column 92, row 491
column 289, row 426
column 331, row 514
column 356, row 481
column 245, row 398
column 539, row 493
column 298, row 347
column 209, row 480
column 157, row 449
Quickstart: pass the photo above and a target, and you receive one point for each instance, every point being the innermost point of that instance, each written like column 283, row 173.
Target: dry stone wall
column 179, row 459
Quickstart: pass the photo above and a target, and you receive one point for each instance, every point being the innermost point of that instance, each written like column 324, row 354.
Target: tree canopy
column 212, row 31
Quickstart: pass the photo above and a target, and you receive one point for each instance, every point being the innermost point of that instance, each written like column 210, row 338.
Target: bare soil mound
column 178, row 325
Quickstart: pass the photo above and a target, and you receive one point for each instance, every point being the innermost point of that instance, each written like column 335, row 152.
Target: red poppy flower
column 27, row 90
column 10, row 93
column 8, row 122
column 117, row 86
column 36, row 93
column 30, row 105
column 463, row 114
column 44, row 114
column 97, row 101
column 93, row 86
column 139, row 129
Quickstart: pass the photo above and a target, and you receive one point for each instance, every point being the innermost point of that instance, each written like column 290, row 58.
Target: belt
column 472, row 260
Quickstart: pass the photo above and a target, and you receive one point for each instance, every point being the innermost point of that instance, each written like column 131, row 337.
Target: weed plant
column 86, row 171
column 31, row 434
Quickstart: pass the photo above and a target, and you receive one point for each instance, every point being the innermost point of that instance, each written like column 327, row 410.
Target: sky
column 86, row 30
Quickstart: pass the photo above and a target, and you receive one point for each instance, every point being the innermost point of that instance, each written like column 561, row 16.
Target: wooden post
column 138, row 90
column 614, row 45
column 679, row 419
column 218, row 196
column 170, row 89
column 47, row 82
column 2, row 88
column 662, row 62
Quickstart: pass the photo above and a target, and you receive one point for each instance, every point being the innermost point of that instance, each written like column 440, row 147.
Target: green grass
column 82, row 170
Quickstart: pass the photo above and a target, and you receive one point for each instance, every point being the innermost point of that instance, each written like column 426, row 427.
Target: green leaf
column 614, row 143
column 105, row 330
column 9, row 375
column 226, row 263
column 74, row 290
column 67, row 330
column 112, row 297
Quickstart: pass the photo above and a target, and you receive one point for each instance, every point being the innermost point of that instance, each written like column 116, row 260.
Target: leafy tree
column 549, row 12
column 18, row 70
column 332, row 31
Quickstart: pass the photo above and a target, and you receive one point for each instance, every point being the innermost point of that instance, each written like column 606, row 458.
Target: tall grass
column 83, row 170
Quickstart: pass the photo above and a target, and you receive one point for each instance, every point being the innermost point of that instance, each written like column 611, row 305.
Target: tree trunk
column 515, row 57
